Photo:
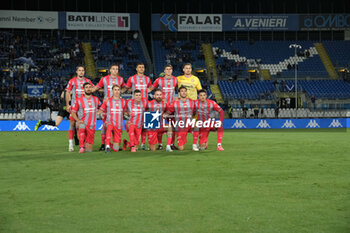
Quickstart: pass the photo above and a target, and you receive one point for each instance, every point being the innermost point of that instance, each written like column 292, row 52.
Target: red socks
column 82, row 137
column 70, row 134
column 195, row 136
column 220, row 134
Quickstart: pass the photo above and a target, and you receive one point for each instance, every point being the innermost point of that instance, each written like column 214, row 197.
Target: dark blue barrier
column 286, row 123
column 228, row 124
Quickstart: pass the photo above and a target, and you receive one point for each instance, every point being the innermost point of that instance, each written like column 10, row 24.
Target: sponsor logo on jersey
column 88, row 110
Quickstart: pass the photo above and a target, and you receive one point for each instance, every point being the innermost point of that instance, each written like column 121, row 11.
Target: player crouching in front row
column 113, row 109
column 183, row 110
column 159, row 106
column 84, row 113
column 134, row 110
column 205, row 109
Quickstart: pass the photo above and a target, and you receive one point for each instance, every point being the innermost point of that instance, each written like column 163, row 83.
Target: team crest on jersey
column 192, row 80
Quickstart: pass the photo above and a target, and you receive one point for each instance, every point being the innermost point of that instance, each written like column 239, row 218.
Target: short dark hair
column 85, row 84
column 186, row 64
column 115, row 85
column 140, row 64
column 158, row 89
column 115, row 64
column 202, row 91
column 168, row 65
column 137, row 91
column 79, row 67
column 182, row 87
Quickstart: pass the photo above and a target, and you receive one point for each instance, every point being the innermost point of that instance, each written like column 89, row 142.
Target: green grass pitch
column 265, row 181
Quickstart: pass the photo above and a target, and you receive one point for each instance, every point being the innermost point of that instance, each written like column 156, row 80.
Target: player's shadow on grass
column 47, row 155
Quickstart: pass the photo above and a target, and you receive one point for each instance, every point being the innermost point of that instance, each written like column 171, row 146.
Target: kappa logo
column 49, row 128
column 21, row 126
column 151, row 120
column 238, row 124
column 313, row 124
column 288, row 124
column 263, row 124
column 335, row 124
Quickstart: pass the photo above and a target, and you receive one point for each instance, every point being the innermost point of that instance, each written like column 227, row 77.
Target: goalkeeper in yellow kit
column 189, row 81
column 193, row 85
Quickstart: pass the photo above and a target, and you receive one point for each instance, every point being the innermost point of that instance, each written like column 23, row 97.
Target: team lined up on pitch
column 179, row 115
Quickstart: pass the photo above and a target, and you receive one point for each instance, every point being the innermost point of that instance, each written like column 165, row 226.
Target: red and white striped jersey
column 75, row 85
column 86, row 108
column 168, row 87
column 153, row 106
column 107, row 82
column 114, row 110
column 136, row 110
column 205, row 109
column 141, row 83
column 182, row 110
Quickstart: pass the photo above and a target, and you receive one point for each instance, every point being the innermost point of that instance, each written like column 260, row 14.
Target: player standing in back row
column 75, row 88
column 107, row 82
column 167, row 83
column 189, row 81
column 140, row 82
column 193, row 85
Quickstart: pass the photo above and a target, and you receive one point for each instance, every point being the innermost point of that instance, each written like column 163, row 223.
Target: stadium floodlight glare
column 295, row 46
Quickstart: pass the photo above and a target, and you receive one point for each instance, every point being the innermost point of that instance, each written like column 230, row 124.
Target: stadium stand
column 177, row 53
column 47, row 60
column 339, row 52
column 244, row 90
column 51, row 60
column 238, row 56
column 324, row 89
column 118, row 51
